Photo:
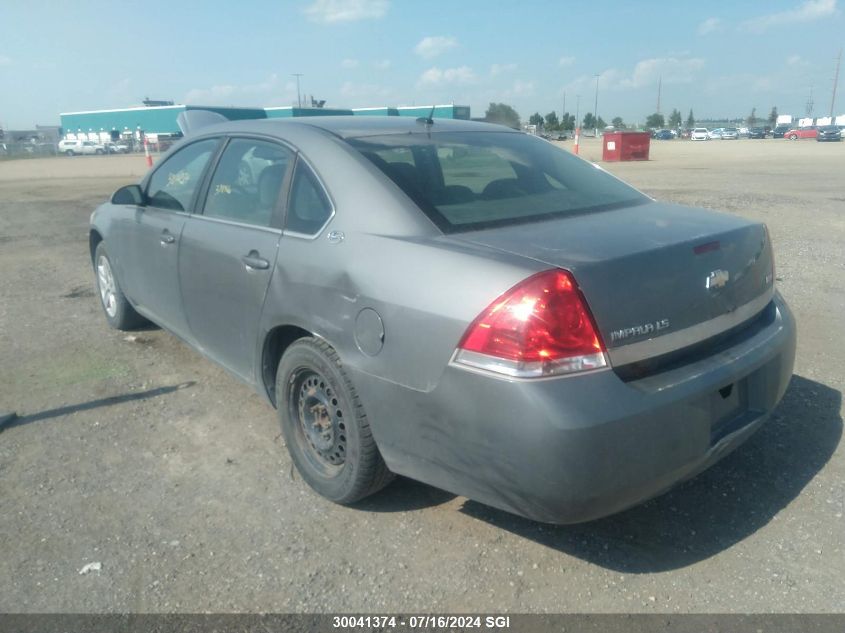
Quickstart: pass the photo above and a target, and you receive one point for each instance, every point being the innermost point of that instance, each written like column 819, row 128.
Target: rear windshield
column 471, row 180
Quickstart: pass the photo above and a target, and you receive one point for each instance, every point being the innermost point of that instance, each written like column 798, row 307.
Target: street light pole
column 596, row 109
column 577, row 107
column 298, row 98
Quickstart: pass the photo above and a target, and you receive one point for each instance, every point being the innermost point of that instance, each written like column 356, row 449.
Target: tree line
column 505, row 115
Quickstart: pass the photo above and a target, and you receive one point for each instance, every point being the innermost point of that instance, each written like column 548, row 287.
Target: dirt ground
column 138, row 454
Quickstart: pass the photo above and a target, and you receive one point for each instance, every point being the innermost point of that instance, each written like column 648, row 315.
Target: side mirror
column 130, row 194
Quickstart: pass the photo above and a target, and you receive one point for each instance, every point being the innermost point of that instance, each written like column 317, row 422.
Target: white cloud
column 671, row 69
column 646, row 73
column 382, row 64
column 566, row 61
column 808, row 11
column 520, row 89
column 501, row 69
column 271, row 91
column 349, row 63
column 5, row 60
column 434, row 77
column 331, row 11
column 709, row 26
column 434, row 45
column 796, row 61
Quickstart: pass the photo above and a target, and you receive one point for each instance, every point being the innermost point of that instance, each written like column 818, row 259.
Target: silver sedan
column 454, row 302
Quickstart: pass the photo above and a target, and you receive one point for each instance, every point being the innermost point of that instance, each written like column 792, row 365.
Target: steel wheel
column 321, row 428
column 105, row 282
column 326, row 430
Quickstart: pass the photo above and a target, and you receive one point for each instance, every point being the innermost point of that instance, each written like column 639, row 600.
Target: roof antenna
column 428, row 120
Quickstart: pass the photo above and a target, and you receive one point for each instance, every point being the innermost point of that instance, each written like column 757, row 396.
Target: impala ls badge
column 717, row 279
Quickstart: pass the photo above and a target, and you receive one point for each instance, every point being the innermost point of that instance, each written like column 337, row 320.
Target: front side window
column 472, row 180
column 247, row 181
column 174, row 183
column 309, row 208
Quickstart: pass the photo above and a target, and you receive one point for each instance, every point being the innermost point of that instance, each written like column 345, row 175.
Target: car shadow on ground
column 404, row 495
column 93, row 404
column 713, row 511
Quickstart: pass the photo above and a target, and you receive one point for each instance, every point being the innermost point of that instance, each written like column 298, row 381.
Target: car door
column 152, row 239
column 228, row 251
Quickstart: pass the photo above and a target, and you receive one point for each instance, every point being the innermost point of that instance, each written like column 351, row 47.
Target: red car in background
column 801, row 132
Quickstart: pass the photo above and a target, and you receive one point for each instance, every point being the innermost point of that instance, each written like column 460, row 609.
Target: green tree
column 600, row 123
column 536, row 119
column 675, row 119
column 589, row 121
column 690, row 119
column 752, row 118
column 552, row 122
column 568, row 121
column 773, row 116
column 655, row 120
column 617, row 122
column 503, row 114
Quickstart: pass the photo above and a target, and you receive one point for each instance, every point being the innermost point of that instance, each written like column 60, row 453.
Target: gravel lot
column 138, row 454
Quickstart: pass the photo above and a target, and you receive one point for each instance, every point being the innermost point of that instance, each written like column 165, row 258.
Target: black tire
column 98, row 152
column 69, row 152
column 120, row 314
column 339, row 458
column 793, row 137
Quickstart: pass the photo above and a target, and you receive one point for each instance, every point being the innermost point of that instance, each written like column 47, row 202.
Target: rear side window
column 309, row 208
column 247, row 181
column 174, row 183
column 473, row 180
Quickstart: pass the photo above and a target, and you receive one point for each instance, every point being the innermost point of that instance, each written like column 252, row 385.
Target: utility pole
column 298, row 97
column 809, row 108
column 835, row 81
column 577, row 106
column 596, row 110
column 563, row 112
column 659, row 87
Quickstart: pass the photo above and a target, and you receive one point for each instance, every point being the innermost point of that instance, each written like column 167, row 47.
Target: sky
column 720, row 59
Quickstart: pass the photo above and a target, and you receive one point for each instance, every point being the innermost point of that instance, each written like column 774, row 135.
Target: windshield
column 472, row 180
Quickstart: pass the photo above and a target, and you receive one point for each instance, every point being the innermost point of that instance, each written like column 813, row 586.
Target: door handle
column 254, row 261
column 167, row 238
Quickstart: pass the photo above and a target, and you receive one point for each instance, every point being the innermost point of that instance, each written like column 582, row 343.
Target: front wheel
column 98, row 152
column 324, row 424
column 119, row 312
column 793, row 137
column 69, row 152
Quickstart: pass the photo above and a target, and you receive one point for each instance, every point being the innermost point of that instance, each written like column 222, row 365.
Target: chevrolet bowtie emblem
column 717, row 279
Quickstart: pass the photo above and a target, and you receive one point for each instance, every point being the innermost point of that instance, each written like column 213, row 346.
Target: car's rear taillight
column 540, row 327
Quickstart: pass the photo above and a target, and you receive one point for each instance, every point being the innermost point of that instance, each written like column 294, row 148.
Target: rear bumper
column 576, row 448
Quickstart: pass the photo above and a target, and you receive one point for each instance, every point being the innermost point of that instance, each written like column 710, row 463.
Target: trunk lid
column 660, row 273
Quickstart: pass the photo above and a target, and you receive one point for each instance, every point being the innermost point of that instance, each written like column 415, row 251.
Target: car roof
column 355, row 126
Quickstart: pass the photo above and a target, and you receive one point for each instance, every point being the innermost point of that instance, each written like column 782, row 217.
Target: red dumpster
column 625, row 146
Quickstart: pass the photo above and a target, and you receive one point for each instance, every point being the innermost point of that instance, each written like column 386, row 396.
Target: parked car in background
column 730, row 134
column 116, row 148
column 829, row 133
column 716, row 133
column 756, row 132
column 664, row 135
column 700, row 134
column 780, row 130
column 72, row 148
column 465, row 305
column 801, row 132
